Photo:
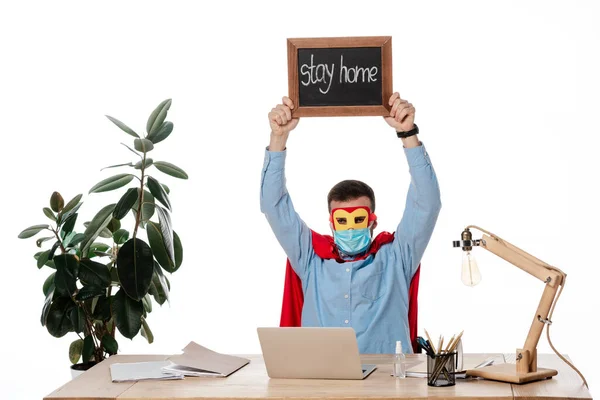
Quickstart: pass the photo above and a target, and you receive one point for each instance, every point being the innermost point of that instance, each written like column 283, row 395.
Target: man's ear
column 373, row 226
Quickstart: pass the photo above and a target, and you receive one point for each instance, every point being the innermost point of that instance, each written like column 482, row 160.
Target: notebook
column 197, row 360
column 142, row 371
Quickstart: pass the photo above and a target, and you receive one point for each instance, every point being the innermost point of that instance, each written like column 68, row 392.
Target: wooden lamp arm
column 553, row 277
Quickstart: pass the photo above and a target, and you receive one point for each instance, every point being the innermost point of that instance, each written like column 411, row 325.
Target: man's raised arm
column 292, row 233
column 423, row 202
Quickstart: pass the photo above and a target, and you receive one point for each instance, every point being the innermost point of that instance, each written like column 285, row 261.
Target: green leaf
column 106, row 233
column 48, row 284
column 170, row 169
column 165, row 130
column 58, row 322
column 110, row 344
column 147, row 207
column 146, row 332
column 157, row 117
column 32, row 231
column 53, row 250
column 147, row 163
column 94, row 273
column 159, row 289
column 123, row 127
column 47, row 303
column 75, row 350
column 157, row 244
column 43, row 258
column 135, row 266
column 143, row 145
column 114, row 225
column 98, row 223
column 69, row 223
column 48, row 212
column 90, row 291
column 47, row 262
column 178, row 251
column 56, row 202
column 102, row 309
column 125, row 203
column 98, row 249
column 129, row 164
column 42, row 240
column 66, row 274
column 132, row 150
column 114, row 182
column 88, row 348
column 147, row 302
column 158, row 192
column 166, row 188
column 72, row 203
column 75, row 240
column 63, row 215
column 121, row 236
column 167, row 231
column 67, row 238
column 128, row 314
column 77, row 318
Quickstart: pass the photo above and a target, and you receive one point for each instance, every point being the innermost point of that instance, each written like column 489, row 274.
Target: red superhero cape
column 324, row 246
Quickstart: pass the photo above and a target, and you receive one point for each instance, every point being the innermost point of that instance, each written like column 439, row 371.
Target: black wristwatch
column 412, row 132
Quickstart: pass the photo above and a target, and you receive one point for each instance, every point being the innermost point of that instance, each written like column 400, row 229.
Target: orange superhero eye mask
column 351, row 218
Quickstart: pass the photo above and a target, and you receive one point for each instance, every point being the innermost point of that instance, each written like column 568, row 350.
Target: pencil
column 448, row 346
column 456, row 341
column 430, row 341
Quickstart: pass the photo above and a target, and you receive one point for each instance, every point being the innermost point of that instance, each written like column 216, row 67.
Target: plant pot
column 78, row 369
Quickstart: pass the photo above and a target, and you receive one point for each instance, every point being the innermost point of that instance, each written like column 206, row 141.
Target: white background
column 506, row 96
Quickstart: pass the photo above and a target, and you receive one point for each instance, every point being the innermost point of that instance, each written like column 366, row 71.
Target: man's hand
column 402, row 114
column 281, row 121
column 280, row 118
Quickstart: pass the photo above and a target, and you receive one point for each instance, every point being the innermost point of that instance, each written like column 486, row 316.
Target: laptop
column 312, row 353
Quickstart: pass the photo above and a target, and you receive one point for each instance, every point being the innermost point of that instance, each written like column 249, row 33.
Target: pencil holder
column 441, row 369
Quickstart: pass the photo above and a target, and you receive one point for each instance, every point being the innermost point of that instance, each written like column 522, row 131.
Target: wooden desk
column 252, row 382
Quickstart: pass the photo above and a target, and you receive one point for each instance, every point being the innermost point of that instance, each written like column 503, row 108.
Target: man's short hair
column 350, row 190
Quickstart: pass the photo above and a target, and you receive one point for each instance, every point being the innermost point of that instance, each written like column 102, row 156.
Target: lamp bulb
column 470, row 271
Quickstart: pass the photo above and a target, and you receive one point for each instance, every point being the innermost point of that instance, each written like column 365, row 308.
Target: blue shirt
column 369, row 295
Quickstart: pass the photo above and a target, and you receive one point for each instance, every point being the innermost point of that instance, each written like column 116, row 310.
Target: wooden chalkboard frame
column 385, row 42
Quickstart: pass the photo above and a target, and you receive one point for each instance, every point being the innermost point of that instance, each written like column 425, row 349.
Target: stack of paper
column 141, row 371
column 197, row 360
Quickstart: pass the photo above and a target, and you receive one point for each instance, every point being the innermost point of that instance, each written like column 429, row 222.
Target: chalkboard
column 340, row 76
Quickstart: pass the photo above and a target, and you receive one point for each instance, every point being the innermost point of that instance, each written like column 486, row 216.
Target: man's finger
column 273, row 116
column 403, row 113
column 398, row 106
column 288, row 102
column 282, row 115
column 286, row 109
column 393, row 98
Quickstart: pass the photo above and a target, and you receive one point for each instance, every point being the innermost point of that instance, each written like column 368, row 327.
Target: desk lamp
column 526, row 369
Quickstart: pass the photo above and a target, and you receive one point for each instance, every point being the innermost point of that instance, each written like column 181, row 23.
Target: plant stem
column 62, row 248
column 141, row 199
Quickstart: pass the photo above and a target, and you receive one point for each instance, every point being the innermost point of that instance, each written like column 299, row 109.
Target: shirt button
column 346, row 321
column 345, row 296
column 347, row 269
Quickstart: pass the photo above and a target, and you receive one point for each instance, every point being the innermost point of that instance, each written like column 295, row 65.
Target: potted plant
column 105, row 277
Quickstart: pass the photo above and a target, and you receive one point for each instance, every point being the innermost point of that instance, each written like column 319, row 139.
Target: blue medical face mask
column 353, row 241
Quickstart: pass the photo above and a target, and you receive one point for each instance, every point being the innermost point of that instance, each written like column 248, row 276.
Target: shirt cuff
column 417, row 156
column 274, row 160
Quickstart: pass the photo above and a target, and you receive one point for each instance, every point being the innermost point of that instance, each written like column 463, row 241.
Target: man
column 357, row 288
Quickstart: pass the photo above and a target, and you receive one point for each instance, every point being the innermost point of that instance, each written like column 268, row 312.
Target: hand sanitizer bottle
column 399, row 362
